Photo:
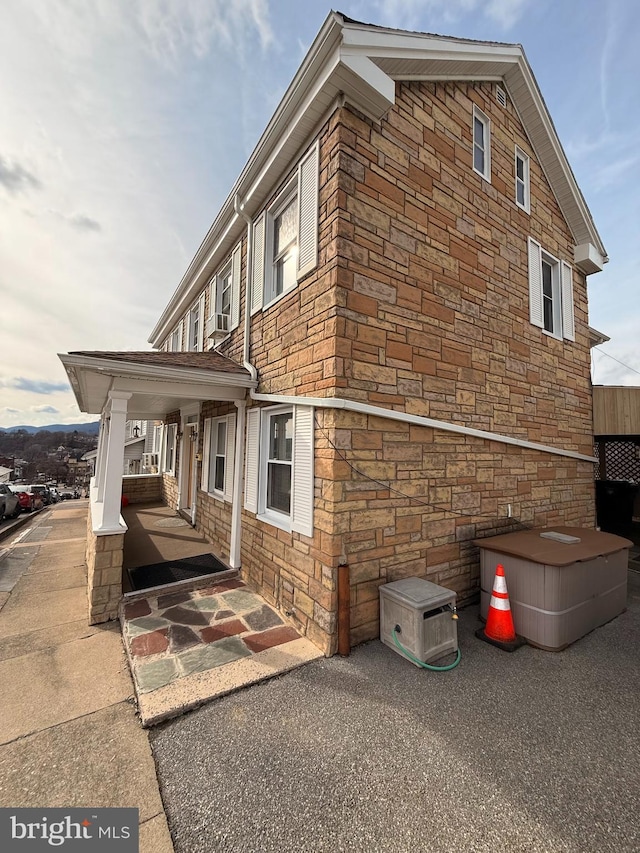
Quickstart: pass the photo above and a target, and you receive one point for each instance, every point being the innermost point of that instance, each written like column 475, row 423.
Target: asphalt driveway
column 530, row 751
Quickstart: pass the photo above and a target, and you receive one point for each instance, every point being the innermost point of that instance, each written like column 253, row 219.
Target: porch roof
column 158, row 382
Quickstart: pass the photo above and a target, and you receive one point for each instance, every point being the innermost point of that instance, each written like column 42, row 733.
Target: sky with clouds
column 124, row 124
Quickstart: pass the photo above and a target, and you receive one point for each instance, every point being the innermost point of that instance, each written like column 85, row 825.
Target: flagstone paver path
column 172, row 636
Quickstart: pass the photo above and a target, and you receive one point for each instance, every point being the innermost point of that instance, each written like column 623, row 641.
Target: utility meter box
column 423, row 613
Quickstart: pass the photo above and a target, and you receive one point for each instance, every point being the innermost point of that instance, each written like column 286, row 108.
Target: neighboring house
column 5, row 474
column 141, row 450
column 381, row 349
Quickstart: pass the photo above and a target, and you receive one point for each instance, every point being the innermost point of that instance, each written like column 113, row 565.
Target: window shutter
column 302, row 487
column 536, row 314
column 257, row 272
column 181, row 336
column 568, row 318
column 236, row 263
column 252, row 461
column 229, row 456
column 206, row 449
column 308, row 212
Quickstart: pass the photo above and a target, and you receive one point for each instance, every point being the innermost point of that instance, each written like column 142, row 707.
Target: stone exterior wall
column 419, row 303
column 104, row 574
column 143, row 488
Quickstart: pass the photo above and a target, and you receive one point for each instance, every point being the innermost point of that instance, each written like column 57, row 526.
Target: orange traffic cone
column 499, row 630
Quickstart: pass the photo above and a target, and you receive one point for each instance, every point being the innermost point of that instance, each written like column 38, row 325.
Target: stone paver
column 241, row 601
column 150, row 676
column 213, row 655
column 265, row 617
column 145, row 623
column 181, row 637
column 269, row 639
column 185, row 616
column 151, row 643
column 224, row 629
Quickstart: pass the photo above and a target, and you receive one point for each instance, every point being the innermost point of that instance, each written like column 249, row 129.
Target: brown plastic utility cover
column 529, row 545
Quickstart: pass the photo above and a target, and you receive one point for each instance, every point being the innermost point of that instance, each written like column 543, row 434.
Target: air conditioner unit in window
column 218, row 325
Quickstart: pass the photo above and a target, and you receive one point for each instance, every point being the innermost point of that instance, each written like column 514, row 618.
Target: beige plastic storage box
column 558, row 591
column 423, row 611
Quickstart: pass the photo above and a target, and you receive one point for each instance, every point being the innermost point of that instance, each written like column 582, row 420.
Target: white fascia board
column 588, row 259
column 379, row 88
column 203, row 390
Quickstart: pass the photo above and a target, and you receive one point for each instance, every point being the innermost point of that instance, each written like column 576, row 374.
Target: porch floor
column 191, row 642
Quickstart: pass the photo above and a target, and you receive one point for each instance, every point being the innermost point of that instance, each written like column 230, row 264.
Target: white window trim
column 272, row 516
column 170, row 437
column 284, row 199
column 520, row 155
column 304, row 186
column 486, row 122
column 210, row 430
column 300, row 517
column 562, row 293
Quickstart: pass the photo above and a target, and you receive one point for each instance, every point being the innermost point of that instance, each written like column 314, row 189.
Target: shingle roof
column 195, row 360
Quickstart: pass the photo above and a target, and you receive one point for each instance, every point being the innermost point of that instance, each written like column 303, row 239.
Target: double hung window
column 218, row 457
column 279, row 467
column 481, row 144
column 550, row 293
column 522, row 180
column 285, row 236
column 170, row 448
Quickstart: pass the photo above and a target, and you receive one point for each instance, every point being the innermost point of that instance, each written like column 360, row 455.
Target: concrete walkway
column 69, row 734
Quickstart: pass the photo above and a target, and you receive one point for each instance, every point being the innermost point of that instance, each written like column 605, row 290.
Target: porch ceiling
column 158, row 382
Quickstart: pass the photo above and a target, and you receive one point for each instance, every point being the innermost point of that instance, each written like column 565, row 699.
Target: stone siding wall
column 144, row 488
column 104, row 574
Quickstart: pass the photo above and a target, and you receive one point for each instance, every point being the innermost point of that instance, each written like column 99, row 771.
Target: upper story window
column 551, row 305
column 175, row 341
column 224, row 298
column 285, row 247
column 523, row 198
column 196, row 326
column 481, row 144
column 285, row 236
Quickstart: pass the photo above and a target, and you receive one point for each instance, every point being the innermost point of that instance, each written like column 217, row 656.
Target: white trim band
column 418, row 420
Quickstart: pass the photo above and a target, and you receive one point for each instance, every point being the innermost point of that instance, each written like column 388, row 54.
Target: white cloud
column 45, row 410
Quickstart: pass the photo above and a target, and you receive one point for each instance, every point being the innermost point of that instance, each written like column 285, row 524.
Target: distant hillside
column 91, row 429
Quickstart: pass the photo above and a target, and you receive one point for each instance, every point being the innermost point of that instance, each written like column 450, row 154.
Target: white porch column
column 114, row 460
column 101, row 456
column 236, row 505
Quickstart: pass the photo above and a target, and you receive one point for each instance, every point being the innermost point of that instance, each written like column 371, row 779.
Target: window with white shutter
column 285, row 237
column 252, row 461
column 285, row 470
column 481, row 144
column 550, row 293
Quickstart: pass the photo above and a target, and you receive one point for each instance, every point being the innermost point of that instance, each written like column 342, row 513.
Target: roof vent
column 501, row 96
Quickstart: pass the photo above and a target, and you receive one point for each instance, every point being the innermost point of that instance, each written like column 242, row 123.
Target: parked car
column 9, row 503
column 55, row 494
column 42, row 491
column 27, row 499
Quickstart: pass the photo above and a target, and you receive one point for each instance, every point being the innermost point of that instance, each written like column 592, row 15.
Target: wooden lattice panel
column 620, row 461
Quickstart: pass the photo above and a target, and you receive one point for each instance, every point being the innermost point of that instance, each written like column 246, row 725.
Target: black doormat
column 159, row 574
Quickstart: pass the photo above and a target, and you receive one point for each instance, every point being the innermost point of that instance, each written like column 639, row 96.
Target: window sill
column 282, row 522
column 279, row 297
column 552, row 335
column 484, row 177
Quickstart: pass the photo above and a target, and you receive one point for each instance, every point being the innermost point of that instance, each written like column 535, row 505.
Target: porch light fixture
column 136, row 431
